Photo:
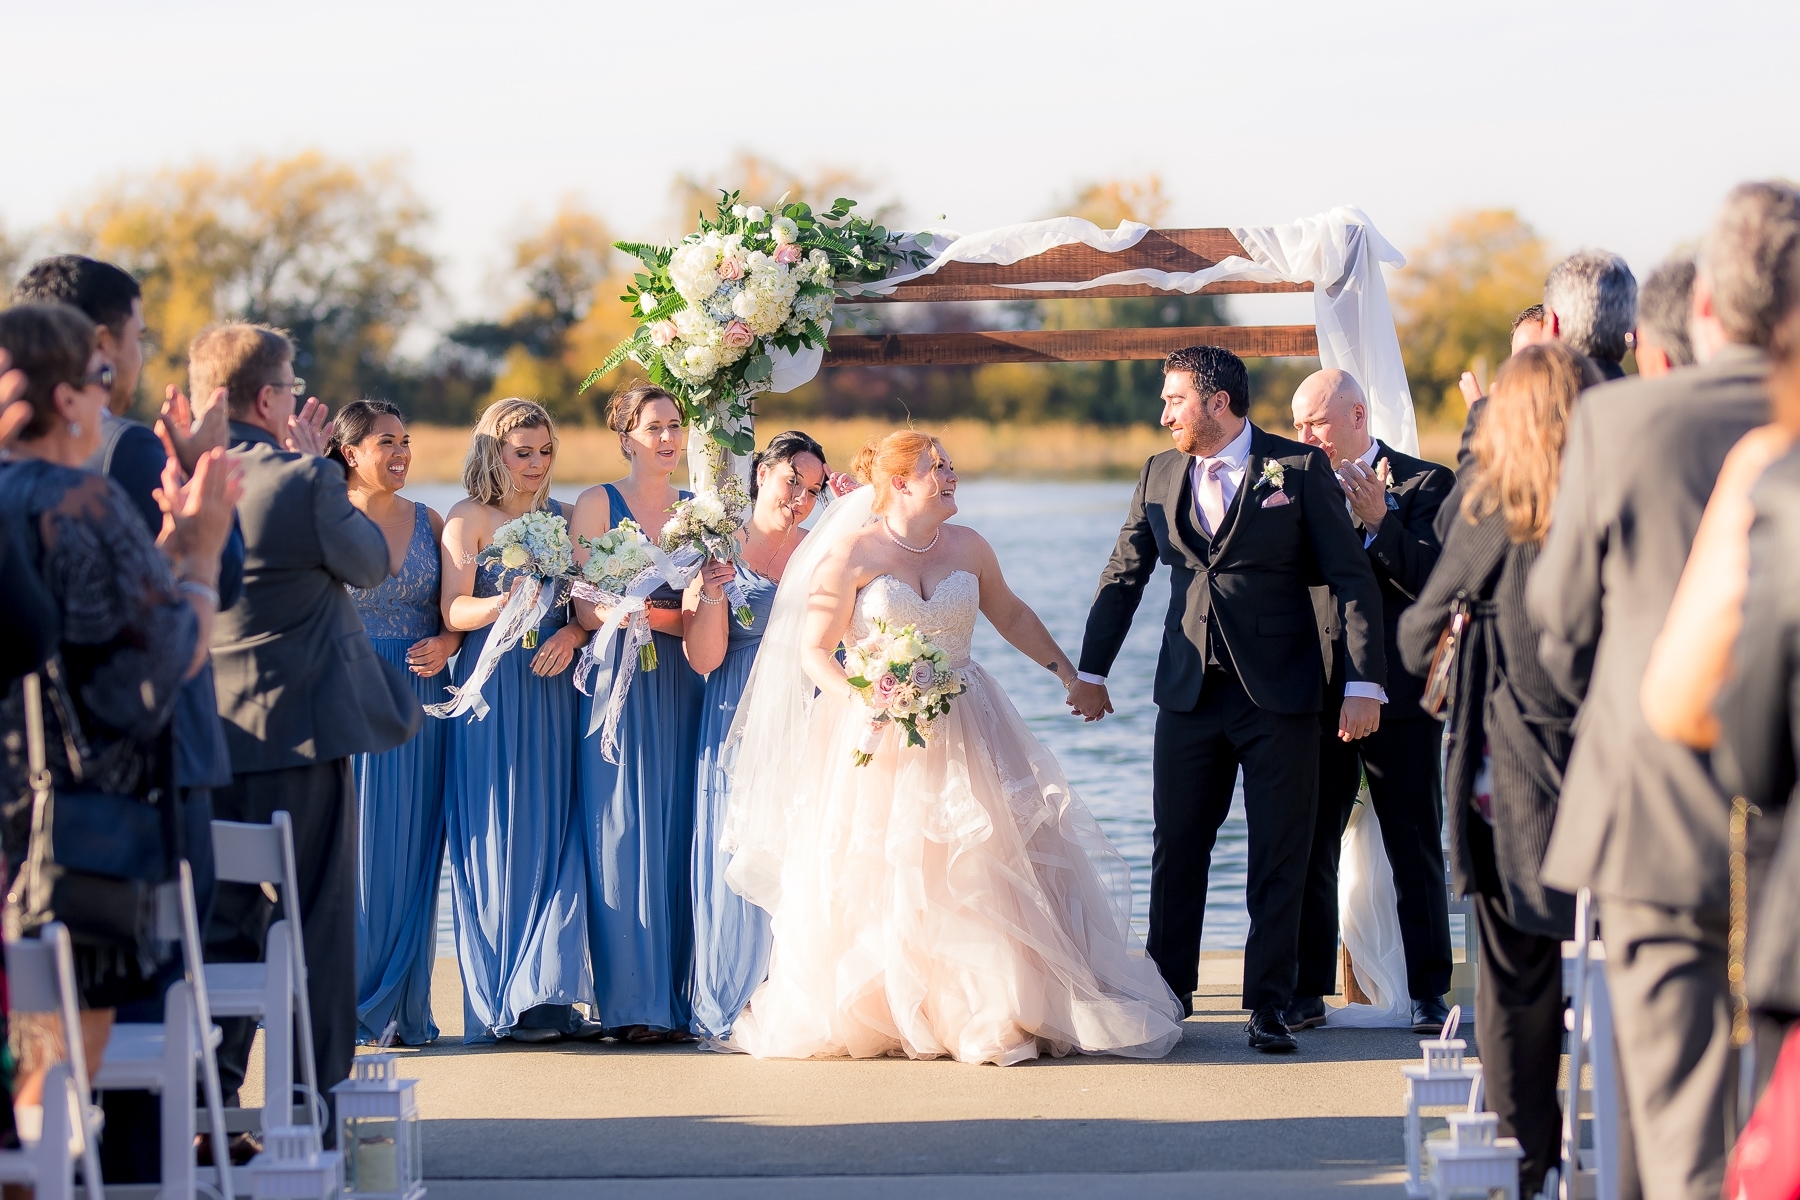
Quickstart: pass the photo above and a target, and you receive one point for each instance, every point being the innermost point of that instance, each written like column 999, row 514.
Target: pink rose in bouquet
column 788, row 252
column 737, row 335
column 730, row 268
column 664, row 332
column 885, row 687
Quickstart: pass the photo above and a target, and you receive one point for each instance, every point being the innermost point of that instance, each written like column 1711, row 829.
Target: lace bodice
column 948, row 618
column 405, row 605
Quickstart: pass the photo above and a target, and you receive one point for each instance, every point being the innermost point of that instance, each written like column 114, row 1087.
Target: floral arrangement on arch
column 749, row 280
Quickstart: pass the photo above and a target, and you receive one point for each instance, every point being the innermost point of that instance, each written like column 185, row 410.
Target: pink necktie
column 1209, row 494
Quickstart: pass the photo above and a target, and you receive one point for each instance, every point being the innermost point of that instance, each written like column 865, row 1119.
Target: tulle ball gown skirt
column 516, row 869
column 401, row 796
column 953, row 900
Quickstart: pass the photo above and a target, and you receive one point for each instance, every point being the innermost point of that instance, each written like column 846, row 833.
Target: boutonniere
column 1272, row 474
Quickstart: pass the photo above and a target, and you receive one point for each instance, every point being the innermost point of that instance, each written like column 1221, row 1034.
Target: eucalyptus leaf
column 759, row 368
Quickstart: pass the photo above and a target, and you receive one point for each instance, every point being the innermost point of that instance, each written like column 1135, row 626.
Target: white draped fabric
column 1369, row 917
column 1339, row 252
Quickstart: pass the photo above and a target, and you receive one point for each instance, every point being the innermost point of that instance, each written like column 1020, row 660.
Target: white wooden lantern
column 1441, row 1081
column 378, row 1131
column 293, row 1167
column 1473, row 1161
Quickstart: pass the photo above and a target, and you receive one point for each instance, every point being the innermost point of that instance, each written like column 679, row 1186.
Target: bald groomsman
column 1394, row 500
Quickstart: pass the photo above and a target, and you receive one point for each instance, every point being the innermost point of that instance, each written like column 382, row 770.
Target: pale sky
column 1619, row 126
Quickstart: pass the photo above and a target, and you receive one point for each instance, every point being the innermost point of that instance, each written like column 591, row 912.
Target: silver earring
column 74, row 428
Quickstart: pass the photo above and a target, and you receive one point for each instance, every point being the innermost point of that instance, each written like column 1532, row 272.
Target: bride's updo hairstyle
column 896, row 454
column 484, row 470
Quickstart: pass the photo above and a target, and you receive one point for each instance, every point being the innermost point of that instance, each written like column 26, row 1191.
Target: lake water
column 1052, row 540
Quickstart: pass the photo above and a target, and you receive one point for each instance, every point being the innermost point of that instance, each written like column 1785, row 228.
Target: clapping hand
column 186, row 438
column 1470, row 388
column 197, row 511
column 15, row 410
column 1366, row 492
column 307, row 428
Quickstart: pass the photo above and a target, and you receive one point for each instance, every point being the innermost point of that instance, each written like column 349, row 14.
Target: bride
column 956, row 899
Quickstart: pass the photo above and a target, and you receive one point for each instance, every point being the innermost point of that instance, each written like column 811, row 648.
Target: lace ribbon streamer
column 525, row 609
column 627, row 613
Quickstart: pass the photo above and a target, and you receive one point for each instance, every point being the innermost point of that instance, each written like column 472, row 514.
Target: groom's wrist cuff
column 1366, row 691
column 1085, row 677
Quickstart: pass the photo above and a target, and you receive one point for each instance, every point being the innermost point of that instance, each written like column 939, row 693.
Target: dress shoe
column 586, row 1030
column 1429, row 1015
column 1305, row 1012
column 1268, row 1033
column 534, row 1037
column 242, row 1148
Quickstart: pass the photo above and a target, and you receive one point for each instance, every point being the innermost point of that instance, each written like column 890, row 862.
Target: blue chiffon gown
column 731, row 935
column 401, row 797
column 638, row 822
column 515, row 859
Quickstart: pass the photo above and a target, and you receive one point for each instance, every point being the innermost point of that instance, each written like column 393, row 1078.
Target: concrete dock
column 1213, row 1119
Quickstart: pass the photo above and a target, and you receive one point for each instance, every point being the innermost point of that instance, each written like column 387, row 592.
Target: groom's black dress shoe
column 1304, row 1013
column 1268, row 1033
column 1429, row 1015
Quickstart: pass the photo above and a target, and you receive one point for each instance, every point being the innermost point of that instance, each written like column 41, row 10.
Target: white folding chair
column 1589, row 1172
column 274, row 990
column 40, row 976
column 163, row 1058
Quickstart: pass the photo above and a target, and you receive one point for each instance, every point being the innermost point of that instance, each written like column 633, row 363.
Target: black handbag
column 94, row 859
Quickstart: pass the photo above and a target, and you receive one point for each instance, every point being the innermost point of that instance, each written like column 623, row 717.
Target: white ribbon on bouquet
column 629, row 613
column 524, row 611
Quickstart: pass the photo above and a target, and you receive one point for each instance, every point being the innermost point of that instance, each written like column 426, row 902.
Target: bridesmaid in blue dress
column 401, row 792
column 515, row 853
column 638, row 814
column 731, row 935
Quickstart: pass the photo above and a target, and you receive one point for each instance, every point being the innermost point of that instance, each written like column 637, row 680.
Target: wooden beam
column 1158, row 250
column 1064, row 345
column 929, row 290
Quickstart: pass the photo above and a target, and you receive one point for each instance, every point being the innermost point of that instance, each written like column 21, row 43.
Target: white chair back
column 40, row 978
column 246, row 853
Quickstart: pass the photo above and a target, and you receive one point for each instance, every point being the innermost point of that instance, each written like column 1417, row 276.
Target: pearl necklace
column 912, row 549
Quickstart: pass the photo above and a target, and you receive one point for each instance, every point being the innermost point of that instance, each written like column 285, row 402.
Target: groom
column 1245, row 521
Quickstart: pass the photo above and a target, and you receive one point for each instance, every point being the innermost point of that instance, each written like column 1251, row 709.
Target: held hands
column 1358, row 718
column 558, row 651
column 1366, row 492
column 185, row 437
column 307, row 433
column 1089, row 700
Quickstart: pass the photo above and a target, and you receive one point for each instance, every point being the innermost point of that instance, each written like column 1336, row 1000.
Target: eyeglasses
column 103, row 377
column 298, row 387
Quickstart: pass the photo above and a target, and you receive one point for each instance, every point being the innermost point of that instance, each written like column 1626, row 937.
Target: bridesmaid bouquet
column 905, row 679
column 536, row 545
column 705, row 526
column 617, row 559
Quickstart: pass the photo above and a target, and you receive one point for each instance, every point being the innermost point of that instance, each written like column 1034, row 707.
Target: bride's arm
column 1014, row 620
column 830, row 602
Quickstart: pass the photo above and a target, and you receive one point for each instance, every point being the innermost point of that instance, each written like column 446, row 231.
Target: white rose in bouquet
column 784, row 231
column 514, row 557
column 754, row 213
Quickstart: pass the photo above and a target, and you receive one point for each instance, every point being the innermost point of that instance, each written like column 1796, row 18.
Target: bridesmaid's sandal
column 640, row 1035
column 681, row 1037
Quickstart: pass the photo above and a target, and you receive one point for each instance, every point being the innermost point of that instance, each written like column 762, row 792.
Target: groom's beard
column 1206, row 432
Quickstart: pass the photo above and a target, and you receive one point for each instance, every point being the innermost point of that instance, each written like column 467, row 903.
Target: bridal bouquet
column 904, row 679
column 535, row 545
column 712, row 307
column 617, row 559
column 706, row 526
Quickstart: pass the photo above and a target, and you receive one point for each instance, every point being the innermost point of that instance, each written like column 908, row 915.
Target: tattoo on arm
column 1051, row 665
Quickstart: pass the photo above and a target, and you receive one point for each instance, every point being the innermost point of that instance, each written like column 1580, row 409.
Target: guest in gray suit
column 300, row 688
column 1641, row 820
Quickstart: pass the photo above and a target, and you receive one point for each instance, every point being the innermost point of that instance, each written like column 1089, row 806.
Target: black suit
column 1239, row 682
column 1400, row 758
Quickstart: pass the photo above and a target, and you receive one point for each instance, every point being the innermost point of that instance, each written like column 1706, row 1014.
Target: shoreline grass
column 1052, row 450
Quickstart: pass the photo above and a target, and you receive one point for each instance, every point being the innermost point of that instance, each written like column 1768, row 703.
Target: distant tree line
column 336, row 253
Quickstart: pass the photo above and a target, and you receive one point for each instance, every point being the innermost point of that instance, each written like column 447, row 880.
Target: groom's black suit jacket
column 1249, row 582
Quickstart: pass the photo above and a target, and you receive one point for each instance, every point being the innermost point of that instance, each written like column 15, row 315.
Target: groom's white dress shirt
column 1227, row 467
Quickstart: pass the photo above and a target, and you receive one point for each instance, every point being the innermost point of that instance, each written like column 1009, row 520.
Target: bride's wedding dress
column 957, row 899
